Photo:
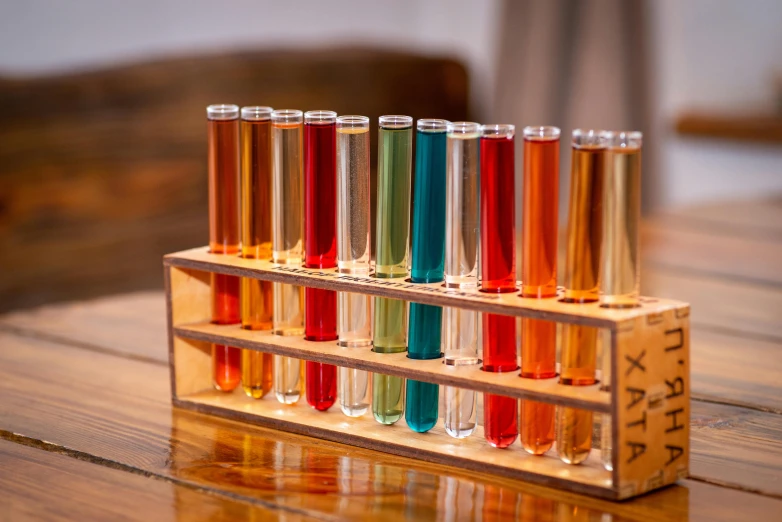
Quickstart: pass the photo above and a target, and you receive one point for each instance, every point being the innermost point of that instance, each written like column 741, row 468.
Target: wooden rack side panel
column 651, row 400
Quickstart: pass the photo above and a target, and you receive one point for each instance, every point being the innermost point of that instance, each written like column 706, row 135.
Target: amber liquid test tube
column 539, row 277
column 223, row 161
column 620, row 265
column 395, row 144
column 287, row 247
column 582, row 259
column 620, row 261
column 498, row 274
column 255, row 296
column 354, row 311
column 460, row 327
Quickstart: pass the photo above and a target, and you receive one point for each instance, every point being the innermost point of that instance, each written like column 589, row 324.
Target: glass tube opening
column 464, row 127
column 316, row 117
column 432, row 125
column 500, row 130
column 222, row 111
column 395, row 121
column 352, row 122
column 287, row 116
column 257, row 113
column 541, row 133
column 589, row 138
column 623, row 139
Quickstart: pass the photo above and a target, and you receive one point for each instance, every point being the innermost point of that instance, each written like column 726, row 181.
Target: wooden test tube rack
column 649, row 397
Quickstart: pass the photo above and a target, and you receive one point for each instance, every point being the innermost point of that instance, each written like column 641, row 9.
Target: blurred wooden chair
column 103, row 172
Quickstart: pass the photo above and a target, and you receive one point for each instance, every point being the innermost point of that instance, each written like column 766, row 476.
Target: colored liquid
column 574, row 434
column 223, row 161
column 538, row 361
column 256, row 296
column 428, row 252
column 393, row 201
column 498, row 243
column 421, row 406
column 620, row 265
column 321, row 388
column 540, row 209
column 393, row 230
column 499, row 343
column 462, row 210
column 585, row 222
column 320, row 312
column 500, row 420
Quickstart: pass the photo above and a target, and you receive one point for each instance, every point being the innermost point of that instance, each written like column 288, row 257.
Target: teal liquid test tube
column 427, row 266
column 394, row 163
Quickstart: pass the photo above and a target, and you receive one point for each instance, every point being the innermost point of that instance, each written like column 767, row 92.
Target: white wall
column 715, row 56
column 39, row 36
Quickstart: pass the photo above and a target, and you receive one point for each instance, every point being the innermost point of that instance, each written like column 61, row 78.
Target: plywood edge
column 434, row 294
column 577, row 479
column 469, row 377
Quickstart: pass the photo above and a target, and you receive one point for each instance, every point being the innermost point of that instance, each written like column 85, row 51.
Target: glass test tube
column 606, row 430
column 354, row 311
column 460, row 327
column 223, row 161
column 498, row 274
column 320, row 248
column 287, row 232
column 395, row 143
column 582, row 259
column 620, row 262
column 255, row 298
column 620, row 265
column 428, row 257
column 539, row 277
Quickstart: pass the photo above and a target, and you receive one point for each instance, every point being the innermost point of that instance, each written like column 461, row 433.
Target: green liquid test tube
column 395, row 144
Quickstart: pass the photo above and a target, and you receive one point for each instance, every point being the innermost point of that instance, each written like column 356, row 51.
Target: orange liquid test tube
column 223, row 161
column 539, row 278
column 255, row 299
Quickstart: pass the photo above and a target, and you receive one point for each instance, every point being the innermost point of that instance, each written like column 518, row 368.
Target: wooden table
column 87, row 430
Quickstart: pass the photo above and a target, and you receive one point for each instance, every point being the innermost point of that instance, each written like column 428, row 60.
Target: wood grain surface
column 101, row 395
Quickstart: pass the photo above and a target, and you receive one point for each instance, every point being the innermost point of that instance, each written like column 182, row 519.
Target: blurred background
column 102, row 121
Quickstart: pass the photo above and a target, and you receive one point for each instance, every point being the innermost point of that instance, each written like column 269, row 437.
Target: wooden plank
column 42, row 485
column 119, row 410
column 753, row 218
column 433, row 294
column 734, row 257
column 762, row 129
column 94, row 324
column 470, row 377
column 754, row 311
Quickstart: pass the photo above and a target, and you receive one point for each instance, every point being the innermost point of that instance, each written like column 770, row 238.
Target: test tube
column 287, row 232
column 223, row 161
column 460, row 327
column 620, row 265
column 498, row 274
column 620, row 262
column 582, row 259
column 395, row 143
column 539, row 278
column 428, row 257
column 255, row 298
column 354, row 311
column 320, row 248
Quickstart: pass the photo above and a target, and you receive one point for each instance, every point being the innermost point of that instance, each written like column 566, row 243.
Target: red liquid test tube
column 498, row 275
column 539, row 277
column 320, row 248
column 223, row 161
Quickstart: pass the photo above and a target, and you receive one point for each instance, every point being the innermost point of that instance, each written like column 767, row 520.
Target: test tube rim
column 541, row 133
column 320, row 117
column 630, row 140
column 591, row 134
column 222, row 111
column 395, row 121
column 433, row 125
column 498, row 130
column 352, row 121
column 257, row 113
column 464, row 128
column 287, row 116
